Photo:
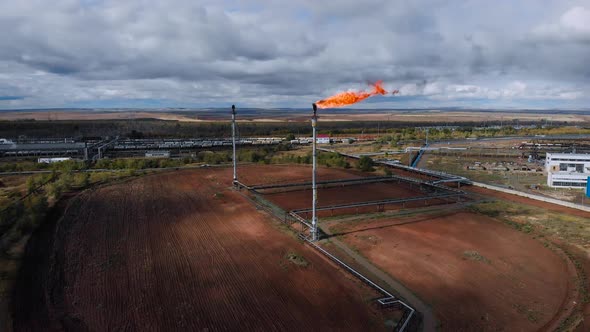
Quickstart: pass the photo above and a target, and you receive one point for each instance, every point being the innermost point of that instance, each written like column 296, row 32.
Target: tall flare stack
column 314, row 218
column 337, row 100
column 233, row 135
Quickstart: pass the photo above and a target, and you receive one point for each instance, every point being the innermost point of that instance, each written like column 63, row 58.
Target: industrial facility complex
column 97, row 148
column 417, row 204
column 567, row 170
column 377, row 166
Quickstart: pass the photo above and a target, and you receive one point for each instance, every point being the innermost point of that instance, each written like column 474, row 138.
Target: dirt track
column 478, row 273
column 182, row 251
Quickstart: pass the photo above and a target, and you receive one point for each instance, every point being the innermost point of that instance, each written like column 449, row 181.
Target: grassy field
column 522, row 181
column 572, row 229
column 458, row 165
column 11, row 188
column 571, row 195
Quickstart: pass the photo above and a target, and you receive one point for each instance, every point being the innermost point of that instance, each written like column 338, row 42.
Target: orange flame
column 349, row 98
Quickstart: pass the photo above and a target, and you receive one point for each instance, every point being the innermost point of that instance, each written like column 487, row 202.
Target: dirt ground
column 264, row 174
column 301, row 198
column 526, row 285
column 182, row 251
column 477, row 273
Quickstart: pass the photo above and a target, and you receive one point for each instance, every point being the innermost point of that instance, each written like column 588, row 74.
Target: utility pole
column 314, row 218
column 233, row 134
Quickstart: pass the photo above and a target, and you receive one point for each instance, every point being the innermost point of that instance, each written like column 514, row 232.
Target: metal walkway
column 308, row 184
column 419, row 155
column 380, row 202
column 389, row 300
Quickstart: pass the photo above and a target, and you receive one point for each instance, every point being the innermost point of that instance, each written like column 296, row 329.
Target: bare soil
column 301, row 198
column 348, row 194
column 181, row 251
column 477, row 273
column 264, row 174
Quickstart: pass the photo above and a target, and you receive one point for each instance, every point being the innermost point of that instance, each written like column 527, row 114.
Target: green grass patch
column 531, row 314
column 296, row 259
column 573, row 229
column 476, row 256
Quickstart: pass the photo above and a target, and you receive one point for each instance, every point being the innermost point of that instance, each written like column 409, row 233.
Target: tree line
column 141, row 128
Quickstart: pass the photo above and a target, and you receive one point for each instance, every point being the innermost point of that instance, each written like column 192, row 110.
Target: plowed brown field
column 301, row 198
column 478, row 273
column 263, row 174
column 182, row 251
column 351, row 194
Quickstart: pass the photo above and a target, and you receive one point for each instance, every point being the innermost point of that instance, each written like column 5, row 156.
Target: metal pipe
column 314, row 218
column 387, row 300
column 379, row 202
column 233, row 135
column 339, row 181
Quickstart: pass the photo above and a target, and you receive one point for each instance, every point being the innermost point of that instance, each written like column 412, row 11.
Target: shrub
column 31, row 184
column 365, row 164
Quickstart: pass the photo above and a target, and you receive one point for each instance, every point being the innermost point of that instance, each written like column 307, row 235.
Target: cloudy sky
column 263, row 53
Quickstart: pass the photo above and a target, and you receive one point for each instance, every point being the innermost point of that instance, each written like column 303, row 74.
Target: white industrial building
column 567, row 170
column 157, row 154
column 52, row 160
column 323, row 139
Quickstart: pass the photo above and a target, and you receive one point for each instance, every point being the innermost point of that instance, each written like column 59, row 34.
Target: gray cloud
column 269, row 53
